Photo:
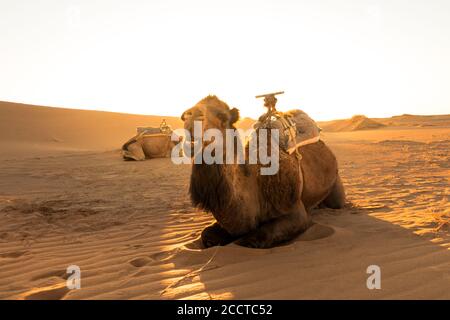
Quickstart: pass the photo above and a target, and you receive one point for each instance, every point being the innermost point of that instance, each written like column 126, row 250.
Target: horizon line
column 172, row 116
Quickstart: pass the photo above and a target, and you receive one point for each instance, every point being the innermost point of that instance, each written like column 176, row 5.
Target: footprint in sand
column 140, row 262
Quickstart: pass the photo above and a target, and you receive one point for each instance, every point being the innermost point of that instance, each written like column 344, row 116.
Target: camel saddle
column 295, row 126
column 164, row 128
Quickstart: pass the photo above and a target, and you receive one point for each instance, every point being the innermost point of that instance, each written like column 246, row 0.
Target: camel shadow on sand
column 329, row 261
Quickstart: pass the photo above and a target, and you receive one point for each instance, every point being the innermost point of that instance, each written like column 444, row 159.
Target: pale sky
column 333, row 58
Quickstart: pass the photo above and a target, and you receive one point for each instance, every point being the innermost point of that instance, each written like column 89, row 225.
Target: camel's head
column 213, row 113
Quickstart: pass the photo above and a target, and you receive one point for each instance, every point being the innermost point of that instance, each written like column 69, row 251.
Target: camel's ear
column 234, row 115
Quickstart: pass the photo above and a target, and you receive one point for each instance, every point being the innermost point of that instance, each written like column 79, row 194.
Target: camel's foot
column 336, row 198
column 255, row 239
column 278, row 230
column 215, row 235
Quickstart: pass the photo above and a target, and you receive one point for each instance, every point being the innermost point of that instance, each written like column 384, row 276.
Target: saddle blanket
column 296, row 129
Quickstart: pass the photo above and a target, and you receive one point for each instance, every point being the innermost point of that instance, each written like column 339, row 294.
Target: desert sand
column 67, row 198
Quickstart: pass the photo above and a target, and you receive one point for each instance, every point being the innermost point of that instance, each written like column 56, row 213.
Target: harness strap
column 303, row 143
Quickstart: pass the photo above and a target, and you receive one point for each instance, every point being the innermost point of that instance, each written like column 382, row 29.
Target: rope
column 191, row 274
column 304, row 143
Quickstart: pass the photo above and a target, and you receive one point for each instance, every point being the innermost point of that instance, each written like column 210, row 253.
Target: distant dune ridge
column 245, row 123
column 361, row 122
column 358, row 122
column 417, row 120
column 28, row 128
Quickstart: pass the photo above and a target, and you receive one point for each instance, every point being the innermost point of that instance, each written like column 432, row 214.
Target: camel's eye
column 195, row 115
column 199, row 116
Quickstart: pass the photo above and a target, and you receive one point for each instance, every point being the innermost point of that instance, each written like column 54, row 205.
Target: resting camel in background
column 147, row 146
column 255, row 210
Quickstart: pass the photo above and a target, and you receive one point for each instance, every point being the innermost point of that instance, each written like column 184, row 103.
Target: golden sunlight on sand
column 66, row 197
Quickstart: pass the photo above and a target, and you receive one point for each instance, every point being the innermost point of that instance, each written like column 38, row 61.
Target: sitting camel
column 255, row 210
column 147, row 145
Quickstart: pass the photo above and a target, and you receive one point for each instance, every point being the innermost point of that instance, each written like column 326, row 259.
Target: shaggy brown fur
column 211, row 192
column 255, row 210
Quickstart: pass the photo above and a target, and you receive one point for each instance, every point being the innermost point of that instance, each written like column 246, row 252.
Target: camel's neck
column 211, row 185
column 210, row 188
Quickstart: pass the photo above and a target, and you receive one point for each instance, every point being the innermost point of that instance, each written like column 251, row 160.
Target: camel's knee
column 215, row 235
column 336, row 198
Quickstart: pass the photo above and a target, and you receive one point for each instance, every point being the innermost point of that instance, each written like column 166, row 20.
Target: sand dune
column 35, row 130
column 131, row 229
column 416, row 120
column 358, row 122
column 245, row 123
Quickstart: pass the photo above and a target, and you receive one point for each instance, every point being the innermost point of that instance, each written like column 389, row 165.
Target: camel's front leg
column 278, row 230
column 215, row 235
